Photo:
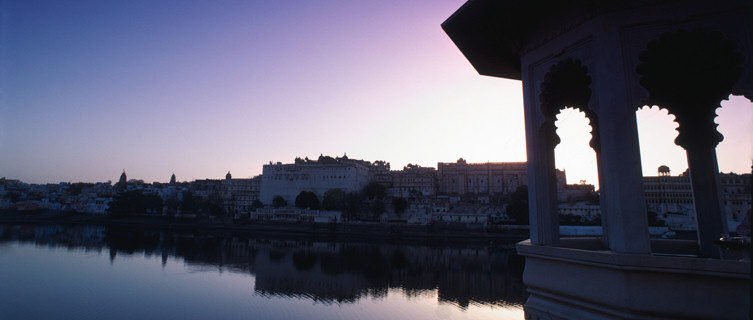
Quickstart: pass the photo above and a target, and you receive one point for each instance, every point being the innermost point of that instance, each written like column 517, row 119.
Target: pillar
column 623, row 204
column 711, row 221
column 542, row 187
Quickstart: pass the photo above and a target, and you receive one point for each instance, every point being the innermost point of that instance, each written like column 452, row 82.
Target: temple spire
column 123, row 179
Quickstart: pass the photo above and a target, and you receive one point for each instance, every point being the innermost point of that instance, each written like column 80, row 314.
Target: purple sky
column 199, row 88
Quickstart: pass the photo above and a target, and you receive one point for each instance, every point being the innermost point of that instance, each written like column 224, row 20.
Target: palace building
column 317, row 176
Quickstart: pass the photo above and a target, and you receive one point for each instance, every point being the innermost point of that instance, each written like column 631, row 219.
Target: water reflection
column 322, row 271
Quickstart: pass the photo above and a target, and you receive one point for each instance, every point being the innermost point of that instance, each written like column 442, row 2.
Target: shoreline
column 370, row 231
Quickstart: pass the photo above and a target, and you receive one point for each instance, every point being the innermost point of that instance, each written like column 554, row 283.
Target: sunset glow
column 198, row 88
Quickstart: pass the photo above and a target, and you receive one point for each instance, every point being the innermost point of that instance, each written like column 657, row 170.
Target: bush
column 307, row 200
column 134, row 202
column 374, row 190
column 400, row 204
column 279, row 202
column 334, row 199
column 517, row 209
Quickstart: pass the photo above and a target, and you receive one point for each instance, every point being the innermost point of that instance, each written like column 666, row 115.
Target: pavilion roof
column 492, row 34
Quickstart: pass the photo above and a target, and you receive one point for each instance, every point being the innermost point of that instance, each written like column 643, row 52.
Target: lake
column 97, row 272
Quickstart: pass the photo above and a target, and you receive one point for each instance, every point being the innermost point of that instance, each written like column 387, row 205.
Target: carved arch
column 689, row 73
column 567, row 84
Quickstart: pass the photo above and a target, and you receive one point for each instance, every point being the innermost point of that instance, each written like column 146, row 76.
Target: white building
column 484, row 178
column 668, row 194
column 317, row 176
column 414, row 181
column 736, row 196
column 580, row 209
column 671, row 197
column 238, row 195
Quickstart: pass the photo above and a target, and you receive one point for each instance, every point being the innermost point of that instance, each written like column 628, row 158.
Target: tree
column 307, row 200
column 377, row 208
column 172, row 204
column 400, row 204
column 188, row 203
column 279, row 202
column 13, row 196
column 375, row 190
column 517, row 208
column 352, row 205
column 334, row 199
column 152, row 203
column 212, row 205
column 76, row 188
column 134, row 202
column 257, row 204
column 654, row 220
column 592, row 198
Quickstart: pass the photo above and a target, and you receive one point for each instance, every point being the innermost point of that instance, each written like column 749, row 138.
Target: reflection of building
column 304, row 274
column 317, row 270
column 414, row 181
column 317, row 176
column 347, row 272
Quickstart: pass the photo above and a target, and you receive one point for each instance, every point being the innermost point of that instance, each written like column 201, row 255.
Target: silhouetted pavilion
column 607, row 59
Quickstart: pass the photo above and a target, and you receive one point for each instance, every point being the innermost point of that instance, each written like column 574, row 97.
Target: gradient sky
column 199, row 88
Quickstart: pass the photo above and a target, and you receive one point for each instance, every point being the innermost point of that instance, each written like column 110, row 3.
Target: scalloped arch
column 689, row 73
column 567, row 84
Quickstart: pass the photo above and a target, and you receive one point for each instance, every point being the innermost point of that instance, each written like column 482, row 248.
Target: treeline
column 368, row 203
column 134, row 202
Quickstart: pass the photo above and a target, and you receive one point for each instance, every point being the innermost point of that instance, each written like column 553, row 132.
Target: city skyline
column 199, row 89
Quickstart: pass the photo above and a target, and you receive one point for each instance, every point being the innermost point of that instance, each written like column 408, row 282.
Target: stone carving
column 689, row 73
column 567, row 84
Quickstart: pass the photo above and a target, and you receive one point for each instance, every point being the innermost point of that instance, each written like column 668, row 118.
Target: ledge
column 587, row 251
column 580, row 280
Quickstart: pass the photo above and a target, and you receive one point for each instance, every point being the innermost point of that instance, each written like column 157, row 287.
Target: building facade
column 238, row 195
column 414, row 181
column 380, row 173
column 667, row 194
column 484, row 178
column 317, row 176
column 736, row 195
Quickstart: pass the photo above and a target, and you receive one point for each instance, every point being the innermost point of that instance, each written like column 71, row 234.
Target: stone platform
column 579, row 280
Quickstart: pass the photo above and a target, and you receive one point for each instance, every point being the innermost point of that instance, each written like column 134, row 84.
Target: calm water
column 94, row 272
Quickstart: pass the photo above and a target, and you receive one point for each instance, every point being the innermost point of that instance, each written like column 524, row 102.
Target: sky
column 199, row 88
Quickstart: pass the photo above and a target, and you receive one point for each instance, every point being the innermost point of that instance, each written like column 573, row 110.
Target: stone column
column 711, row 221
column 689, row 73
column 699, row 137
column 542, row 187
column 623, row 204
column 603, row 196
column 623, row 201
